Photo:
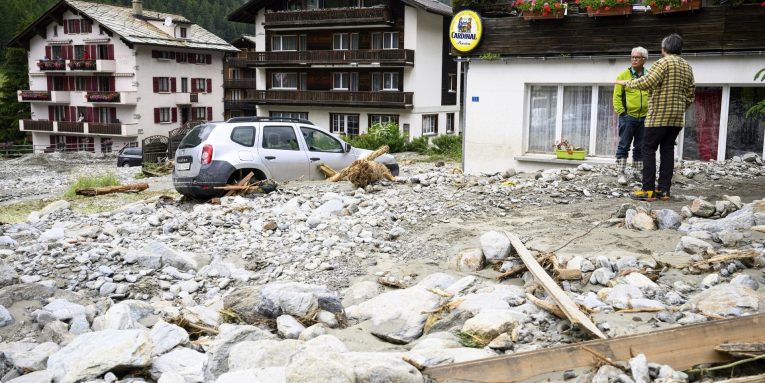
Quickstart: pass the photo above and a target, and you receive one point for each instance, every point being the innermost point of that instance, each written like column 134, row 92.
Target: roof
column 131, row 28
column 243, row 40
column 247, row 12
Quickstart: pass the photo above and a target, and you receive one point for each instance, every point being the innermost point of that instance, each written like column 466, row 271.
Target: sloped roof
column 247, row 12
column 133, row 29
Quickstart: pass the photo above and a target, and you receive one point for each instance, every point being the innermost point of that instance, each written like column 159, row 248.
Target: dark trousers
column 630, row 128
column 663, row 138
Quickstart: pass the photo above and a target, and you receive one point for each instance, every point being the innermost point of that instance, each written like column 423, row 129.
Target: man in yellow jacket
column 632, row 106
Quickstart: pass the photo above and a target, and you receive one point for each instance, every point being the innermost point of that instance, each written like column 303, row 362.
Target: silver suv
column 220, row 153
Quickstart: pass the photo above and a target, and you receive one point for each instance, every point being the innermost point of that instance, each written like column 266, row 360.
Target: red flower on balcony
column 103, row 97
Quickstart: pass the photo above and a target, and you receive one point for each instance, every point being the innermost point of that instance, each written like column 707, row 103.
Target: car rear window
column 196, row 136
column 244, row 135
column 132, row 151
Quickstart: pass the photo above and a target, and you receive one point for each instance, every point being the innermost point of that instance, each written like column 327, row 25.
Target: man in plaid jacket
column 672, row 88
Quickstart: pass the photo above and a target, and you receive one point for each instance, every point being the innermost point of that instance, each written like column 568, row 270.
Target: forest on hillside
column 210, row 14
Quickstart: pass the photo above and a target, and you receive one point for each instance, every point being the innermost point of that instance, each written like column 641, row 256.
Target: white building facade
column 102, row 77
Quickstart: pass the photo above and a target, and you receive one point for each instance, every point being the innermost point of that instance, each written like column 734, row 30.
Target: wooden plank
column 681, row 348
column 564, row 302
column 243, row 182
column 90, row 192
column 745, row 379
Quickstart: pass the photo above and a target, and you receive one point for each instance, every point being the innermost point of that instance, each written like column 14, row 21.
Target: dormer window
column 183, row 32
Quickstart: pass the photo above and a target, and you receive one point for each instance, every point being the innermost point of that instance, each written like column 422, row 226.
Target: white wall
column 496, row 130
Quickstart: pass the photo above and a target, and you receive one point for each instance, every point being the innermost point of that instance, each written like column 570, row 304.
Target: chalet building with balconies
column 239, row 81
column 104, row 76
column 348, row 64
column 554, row 79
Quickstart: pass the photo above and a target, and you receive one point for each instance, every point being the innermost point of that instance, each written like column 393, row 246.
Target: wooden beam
column 681, row 348
column 90, row 192
column 564, row 302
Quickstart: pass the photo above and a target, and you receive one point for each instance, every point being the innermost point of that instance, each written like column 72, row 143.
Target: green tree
column 16, row 78
column 758, row 109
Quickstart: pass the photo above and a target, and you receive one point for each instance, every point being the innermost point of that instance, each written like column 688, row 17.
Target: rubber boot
column 637, row 169
column 621, row 164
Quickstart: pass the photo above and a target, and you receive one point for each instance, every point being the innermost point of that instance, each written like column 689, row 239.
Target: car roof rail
column 262, row 119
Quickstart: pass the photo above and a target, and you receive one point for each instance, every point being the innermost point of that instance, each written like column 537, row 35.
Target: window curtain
column 607, row 137
column 744, row 134
column 702, row 125
column 543, row 103
column 577, row 102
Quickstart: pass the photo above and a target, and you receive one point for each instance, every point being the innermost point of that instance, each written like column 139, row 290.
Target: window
column 105, row 114
column 201, row 84
column 542, row 115
column 182, row 57
column 164, row 85
column 390, row 40
column 200, row 58
column 382, row 119
column 340, row 81
column 164, row 55
column 184, row 85
column 449, row 122
column 429, row 124
column 199, row 114
column 79, row 51
column 280, row 138
column 284, row 43
column 236, row 74
column 79, row 83
column 236, row 94
column 340, row 41
column 577, row 105
column 243, row 135
column 183, row 33
column 164, row 115
column 301, row 115
column 702, row 125
column 607, row 124
column 319, row 141
column 104, row 84
column 744, row 134
column 344, row 123
column 376, row 40
column 55, row 31
column 376, row 81
column 452, row 82
column 390, row 81
column 103, row 52
column 55, row 52
column 73, row 26
column 281, row 80
column 303, row 42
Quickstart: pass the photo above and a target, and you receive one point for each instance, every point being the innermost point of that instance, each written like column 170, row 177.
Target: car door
column 282, row 154
column 324, row 148
column 244, row 139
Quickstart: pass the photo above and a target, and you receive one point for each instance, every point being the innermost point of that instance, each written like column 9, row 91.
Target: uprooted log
column 680, row 347
column 328, row 171
column 344, row 172
column 91, row 192
column 362, row 173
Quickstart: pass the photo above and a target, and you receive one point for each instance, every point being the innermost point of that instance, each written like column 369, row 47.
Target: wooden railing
column 104, row 128
column 82, row 64
column 365, row 56
column 51, row 65
column 71, row 127
column 35, row 95
column 315, row 97
column 240, row 83
column 328, row 16
column 38, row 125
column 238, row 105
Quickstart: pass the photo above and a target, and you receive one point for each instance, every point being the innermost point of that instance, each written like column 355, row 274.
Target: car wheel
column 126, row 164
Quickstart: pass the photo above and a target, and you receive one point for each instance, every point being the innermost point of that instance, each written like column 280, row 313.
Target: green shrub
column 108, row 179
column 449, row 145
column 380, row 135
column 419, row 145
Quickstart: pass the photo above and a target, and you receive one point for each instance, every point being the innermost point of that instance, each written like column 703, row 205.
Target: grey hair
column 641, row 51
column 672, row 44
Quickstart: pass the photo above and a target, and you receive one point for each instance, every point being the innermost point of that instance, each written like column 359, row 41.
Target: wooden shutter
column 156, row 84
column 193, row 85
column 208, row 89
column 50, row 83
column 209, row 59
column 94, row 52
column 209, row 113
column 113, row 114
column 177, row 57
column 174, row 114
column 48, row 52
column 192, row 58
column 76, row 26
column 156, row 115
column 110, row 52
column 70, row 52
column 172, row 55
column 172, row 84
column 154, row 54
column 112, row 88
column 51, row 113
column 66, row 26
column 71, row 83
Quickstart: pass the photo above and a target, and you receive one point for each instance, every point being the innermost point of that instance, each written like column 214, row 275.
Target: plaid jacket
column 672, row 88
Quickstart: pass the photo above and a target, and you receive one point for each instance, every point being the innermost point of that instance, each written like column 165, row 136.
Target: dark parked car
column 130, row 157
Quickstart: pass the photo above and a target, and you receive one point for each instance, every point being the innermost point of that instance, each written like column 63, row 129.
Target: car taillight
column 207, row 153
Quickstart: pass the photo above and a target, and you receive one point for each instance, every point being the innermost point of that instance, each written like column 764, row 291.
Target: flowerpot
column 537, row 15
column 689, row 5
column 574, row 155
column 611, row 11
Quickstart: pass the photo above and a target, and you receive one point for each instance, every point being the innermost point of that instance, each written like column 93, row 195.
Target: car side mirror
column 347, row 147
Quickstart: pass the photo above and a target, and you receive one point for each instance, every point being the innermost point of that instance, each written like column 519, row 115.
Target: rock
column 686, row 212
column 710, row 280
column 639, row 369
column 730, row 238
column 228, row 336
column 186, row 362
column 261, row 353
column 92, row 354
column 361, row 292
column 667, row 219
column 470, row 260
column 745, row 280
column 5, row 316
column 43, row 376
column 640, row 281
column 35, row 359
column 331, row 207
column 726, row 300
column 503, row 342
column 607, row 374
column 313, row 331
column 312, row 367
column 166, row 336
column 371, row 367
column 119, row 317
column 693, row 245
column 739, row 220
column 25, row 292
column 494, row 297
column 8, row 276
column 495, row 245
column 170, row 257
column 255, row 375
column 434, row 357
column 702, row 208
column 297, row 299
column 639, row 220
column 288, row 327
column 601, row 276
column 621, row 295
column 54, row 207
column 623, row 208
column 489, row 324
column 171, row 377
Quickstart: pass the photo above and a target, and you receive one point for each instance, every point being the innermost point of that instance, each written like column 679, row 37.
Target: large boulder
column 488, row 324
column 495, row 245
column 261, row 354
column 310, row 367
column 726, row 300
column 297, row 299
column 255, row 375
column 495, row 297
column 166, row 336
column 92, row 354
column 228, row 336
column 379, row 367
column 185, row 362
column 739, row 220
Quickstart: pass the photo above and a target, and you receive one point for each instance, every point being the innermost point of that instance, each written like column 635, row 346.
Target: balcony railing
column 331, row 98
column 331, row 16
column 70, row 127
column 91, row 65
column 240, row 83
column 121, row 98
column 105, row 128
column 238, row 105
column 51, row 65
column 44, row 96
column 37, row 125
column 367, row 56
column 82, row 64
column 186, row 98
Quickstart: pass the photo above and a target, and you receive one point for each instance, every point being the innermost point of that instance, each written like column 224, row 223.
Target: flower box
column 610, row 11
column 674, row 6
column 541, row 9
column 539, row 15
column 563, row 154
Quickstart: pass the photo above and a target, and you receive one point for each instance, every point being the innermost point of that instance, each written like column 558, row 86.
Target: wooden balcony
column 112, row 98
column 105, row 128
column 328, row 17
column 333, row 98
column 105, row 66
column 44, row 96
column 36, row 125
column 239, row 105
column 385, row 57
column 51, row 65
column 78, row 128
column 240, row 84
column 70, row 127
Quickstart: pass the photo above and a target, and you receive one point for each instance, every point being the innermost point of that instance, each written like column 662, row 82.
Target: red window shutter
column 50, row 83
column 192, row 58
column 209, row 113
column 76, row 26
column 94, row 52
column 51, row 113
column 113, row 114
column 110, row 52
column 208, row 89
column 66, row 26
column 174, row 114
column 156, row 84
column 88, row 26
column 209, row 59
column 193, row 85
column 70, row 52
column 172, row 55
column 172, row 84
column 89, row 114
column 48, row 52
column 156, row 115
column 112, row 87
column 71, row 83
